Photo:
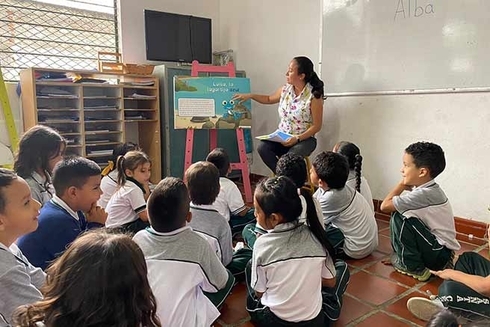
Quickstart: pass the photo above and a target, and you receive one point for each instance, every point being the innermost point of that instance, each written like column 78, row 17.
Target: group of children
column 181, row 263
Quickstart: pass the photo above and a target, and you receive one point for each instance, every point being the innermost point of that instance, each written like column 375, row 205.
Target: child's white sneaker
column 424, row 308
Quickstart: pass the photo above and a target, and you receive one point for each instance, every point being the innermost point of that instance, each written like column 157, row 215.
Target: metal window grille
column 63, row 34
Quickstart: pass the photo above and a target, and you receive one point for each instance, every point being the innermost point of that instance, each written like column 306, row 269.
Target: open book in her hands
column 276, row 136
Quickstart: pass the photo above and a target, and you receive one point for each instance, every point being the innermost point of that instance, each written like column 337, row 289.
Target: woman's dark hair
column 131, row 160
column 353, row 155
column 305, row 66
column 100, row 281
column 36, row 147
column 280, row 195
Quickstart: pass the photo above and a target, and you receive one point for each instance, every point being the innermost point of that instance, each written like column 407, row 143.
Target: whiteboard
column 390, row 45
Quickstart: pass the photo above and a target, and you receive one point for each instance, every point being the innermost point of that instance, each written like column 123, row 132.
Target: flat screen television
column 177, row 38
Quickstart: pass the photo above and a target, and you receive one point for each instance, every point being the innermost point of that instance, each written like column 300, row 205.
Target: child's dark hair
column 85, row 286
column 332, row 168
column 428, row 155
column 293, row 166
column 280, row 195
column 6, row 178
column 120, row 150
column 445, row 318
column 131, row 160
column 353, row 155
column 305, row 66
column 73, row 171
column 220, row 159
column 168, row 205
column 202, row 180
column 37, row 146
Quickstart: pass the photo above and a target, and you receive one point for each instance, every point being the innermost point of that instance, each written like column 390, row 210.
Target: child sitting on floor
column 348, row 219
column 109, row 185
column 293, row 280
column 181, row 264
column 101, row 280
column 72, row 211
column 127, row 207
column 355, row 180
column 203, row 183
column 229, row 202
column 423, row 234
column 19, row 280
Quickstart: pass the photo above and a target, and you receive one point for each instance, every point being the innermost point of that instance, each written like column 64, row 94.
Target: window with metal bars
column 63, row 34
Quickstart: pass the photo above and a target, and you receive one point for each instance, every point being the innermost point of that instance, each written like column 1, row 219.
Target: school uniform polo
column 59, row 225
column 347, row 210
column 125, row 205
column 214, row 228
column 365, row 189
column 20, row 281
column 290, row 276
column 429, row 203
column 108, row 185
column 229, row 200
column 42, row 190
column 181, row 265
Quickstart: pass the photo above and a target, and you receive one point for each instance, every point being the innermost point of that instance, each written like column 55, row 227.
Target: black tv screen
column 178, row 38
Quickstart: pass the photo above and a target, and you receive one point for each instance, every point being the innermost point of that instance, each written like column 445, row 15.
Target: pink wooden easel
column 213, row 133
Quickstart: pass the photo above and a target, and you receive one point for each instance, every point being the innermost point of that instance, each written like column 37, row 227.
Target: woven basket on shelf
column 138, row 69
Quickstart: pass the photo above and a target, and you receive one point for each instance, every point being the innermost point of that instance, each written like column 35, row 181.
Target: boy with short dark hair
column 229, row 201
column 348, row 218
column 203, row 182
column 19, row 279
column 181, row 265
column 77, row 184
column 423, row 234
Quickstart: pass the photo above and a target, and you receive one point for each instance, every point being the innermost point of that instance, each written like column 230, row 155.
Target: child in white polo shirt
column 127, row 207
column 293, row 280
column 229, row 202
column 181, row 264
column 423, row 234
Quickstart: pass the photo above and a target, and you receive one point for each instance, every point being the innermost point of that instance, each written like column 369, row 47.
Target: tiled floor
column 376, row 295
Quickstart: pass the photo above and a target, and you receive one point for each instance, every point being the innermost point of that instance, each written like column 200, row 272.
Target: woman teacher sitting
column 300, row 110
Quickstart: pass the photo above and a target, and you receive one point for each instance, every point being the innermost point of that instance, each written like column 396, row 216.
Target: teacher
column 300, row 112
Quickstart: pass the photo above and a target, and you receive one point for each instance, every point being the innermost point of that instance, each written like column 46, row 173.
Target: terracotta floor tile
column 485, row 253
column 381, row 319
column 465, row 247
column 385, row 232
column 373, row 289
column 432, row 286
column 351, row 310
column 382, row 224
column 389, row 273
column 234, row 308
column 247, row 324
column 384, row 244
column 400, row 309
column 372, row 258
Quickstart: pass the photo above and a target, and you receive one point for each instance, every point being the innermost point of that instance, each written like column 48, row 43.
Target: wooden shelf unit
column 96, row 117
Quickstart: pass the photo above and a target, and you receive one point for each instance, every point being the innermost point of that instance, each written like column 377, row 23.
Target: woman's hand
column 290, row 142
column 242, row 97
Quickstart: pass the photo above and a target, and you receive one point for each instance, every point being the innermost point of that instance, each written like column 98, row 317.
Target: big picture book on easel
column 206, row 103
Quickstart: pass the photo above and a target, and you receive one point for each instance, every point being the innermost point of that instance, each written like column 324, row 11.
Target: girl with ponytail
column 355, row 179
column 294, row 279
column 300, row 111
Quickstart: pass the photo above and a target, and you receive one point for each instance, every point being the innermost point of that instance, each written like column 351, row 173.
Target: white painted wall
column 265, row 36
column 132, row 22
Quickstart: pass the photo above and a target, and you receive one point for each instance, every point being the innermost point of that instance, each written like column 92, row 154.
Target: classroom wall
column 381, row 125
column 132, row 23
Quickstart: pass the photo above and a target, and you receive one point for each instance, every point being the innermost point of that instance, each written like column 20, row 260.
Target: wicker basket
column 138, row 69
